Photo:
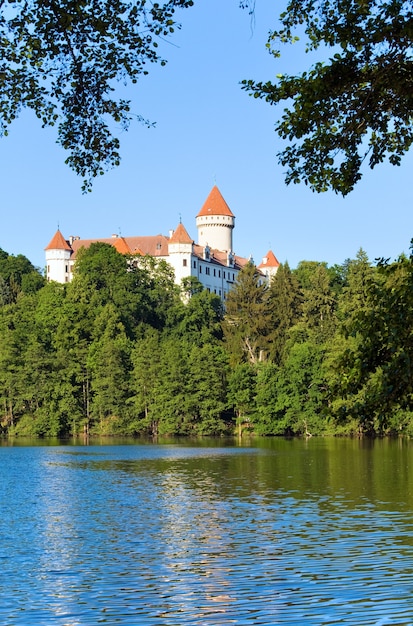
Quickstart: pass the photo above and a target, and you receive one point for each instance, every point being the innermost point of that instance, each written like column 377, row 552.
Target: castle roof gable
column 121, row 245
column 215, row 204
column 181, row 235
column 58, row 242
column 270, row 260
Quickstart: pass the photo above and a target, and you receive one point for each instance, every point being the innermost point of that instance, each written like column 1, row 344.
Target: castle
column 212, row 260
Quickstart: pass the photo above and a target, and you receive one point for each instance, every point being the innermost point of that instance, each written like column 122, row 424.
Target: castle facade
column 212, row 260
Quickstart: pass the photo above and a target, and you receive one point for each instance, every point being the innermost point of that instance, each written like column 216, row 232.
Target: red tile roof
column 121, row 245
column 180, row 235
column 215, row 205
column 156, row 245
column 218, row 257
column 58, row 242
column 270, row 260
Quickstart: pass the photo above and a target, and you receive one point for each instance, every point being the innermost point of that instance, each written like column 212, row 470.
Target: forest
column 121, row 350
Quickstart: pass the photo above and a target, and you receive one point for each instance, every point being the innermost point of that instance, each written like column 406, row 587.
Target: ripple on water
column 136, row 540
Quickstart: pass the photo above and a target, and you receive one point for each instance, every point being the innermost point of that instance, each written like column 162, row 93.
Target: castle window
column 207, row 271
column 200, row 269
column 224, row 274
column 194, row 265
column 66, row 268
column 219, row 273
column 233, row 276
column 215, row 272
column 48, row 269
column 220, row 292
column 158, row 246
column 184, row 262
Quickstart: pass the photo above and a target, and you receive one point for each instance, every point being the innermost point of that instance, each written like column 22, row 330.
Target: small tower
column 269, row 265
column 58, row 253
column 180, row 248
column 215, row 223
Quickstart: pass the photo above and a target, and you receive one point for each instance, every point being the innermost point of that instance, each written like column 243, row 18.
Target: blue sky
column 207, row 131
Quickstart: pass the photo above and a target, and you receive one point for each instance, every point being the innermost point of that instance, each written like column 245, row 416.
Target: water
column 277, row 532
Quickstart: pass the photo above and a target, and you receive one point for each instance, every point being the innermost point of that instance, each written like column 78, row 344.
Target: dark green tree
column 291, row 399
column 319, row 301
column 109, row 365
column 17, row 274
column 247, row 317
column 146, row 358
column 201, row 318
column 355, row 103
column 241, row 393
column 374, row 375
column 207, row 378
column 285, row 300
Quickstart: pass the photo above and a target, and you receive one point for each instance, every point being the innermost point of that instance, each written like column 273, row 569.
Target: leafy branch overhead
column 355, row 106
column 62, row 59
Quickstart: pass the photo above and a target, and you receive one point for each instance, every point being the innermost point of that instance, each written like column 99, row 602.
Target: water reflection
column 295, row 532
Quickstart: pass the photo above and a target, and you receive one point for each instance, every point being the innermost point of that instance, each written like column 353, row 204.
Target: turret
column 269, row 265
column 180, row 247
column 215, row 223
column 58, row 253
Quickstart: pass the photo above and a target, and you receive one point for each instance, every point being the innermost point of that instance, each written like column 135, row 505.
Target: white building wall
column 216, row 278
column 180, row 258
column 215, row 231
column 58, row 267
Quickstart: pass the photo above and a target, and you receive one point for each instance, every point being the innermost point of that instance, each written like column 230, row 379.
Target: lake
column 275, row 531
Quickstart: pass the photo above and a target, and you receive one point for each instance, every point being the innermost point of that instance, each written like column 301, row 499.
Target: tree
column 241, row 392
column 146, row 357
column 285, row 299
column 247, row 319
column 17, row 274
column 353, row 106
column 110, row 366
column 319, row 302
column 374, row 371
column 207, row 369
column 201, row 318
column 291, row 399
column 61, row 59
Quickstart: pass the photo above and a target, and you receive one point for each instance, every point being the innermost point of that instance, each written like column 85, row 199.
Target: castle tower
column 58, row 253
column 215, row 222
column 269, row 265
column 180, row 248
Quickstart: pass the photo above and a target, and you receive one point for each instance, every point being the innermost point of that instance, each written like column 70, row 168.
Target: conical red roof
column 58, row 242
column 180, row 235
column 270, row 260
column 215, row 204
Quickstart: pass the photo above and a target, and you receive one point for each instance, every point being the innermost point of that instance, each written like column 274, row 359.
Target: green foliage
column 246, row 323
column 242, row 390
column 374, row 369
column 353, row 104
column 201, row 318
column 320, row 351
column 291, row 399
column 62, row 60
column 286, row 308
column 17, row 275
column 319, row 305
